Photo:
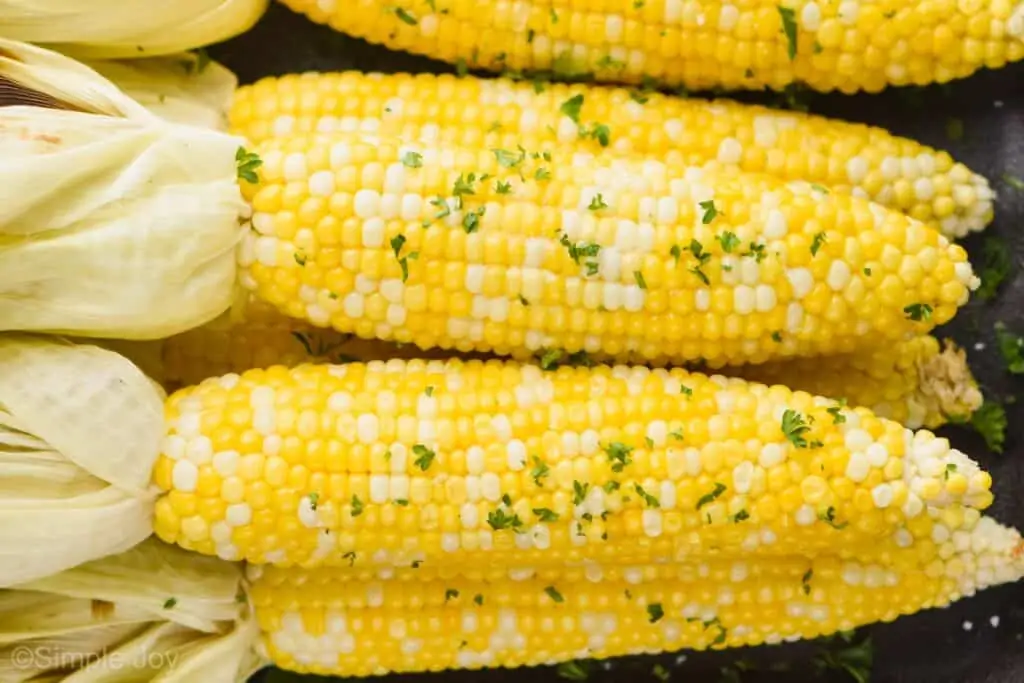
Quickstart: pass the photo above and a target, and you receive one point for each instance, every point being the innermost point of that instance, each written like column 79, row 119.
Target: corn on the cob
column 478, row 464
column 846, row 46
column 342, row 622
column 478, row 250
column 917, row 383
column 896, row 172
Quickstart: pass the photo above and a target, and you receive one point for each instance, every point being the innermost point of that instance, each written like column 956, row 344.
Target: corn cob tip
column 946, row 380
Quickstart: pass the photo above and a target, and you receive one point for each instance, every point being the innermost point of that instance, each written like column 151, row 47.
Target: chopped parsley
column 351, row 557
column 314, row 500
column 819, row 188
column 740, row 516
column 554, row 594
column 502, row 187
column 571, row 107
column 855, row 659
column 357, row 506
column 710, row 212
column 950, row 469
column 990, row 421
column 788, row 17
column 918, row 312
column 655, row 612
column 795, row 428
column 578, row 251
column 542, row 174
column 677, row 434
column 429, row 391
column 729, row 241
column 404, row 16
column 1011, row 348
column 246, row 163
column 397, row 242
column 471, row 219
column 777, row 337
column 403, row 502
column 597, row 203
column 836, row 412
column 806, row 581
column 579, row 492
column 817, row 242
column 757, row 252
column 1013, row 181
column 169, row 603
column 650, row 500
column 450, row 594
column 829, row 517
column 301, row 259
column 618, row 455
column 499, row 519
column 412, row 159
column 424, row 456
column 709, row 498
column 574, row 671
column 539, row 471
column 598, row 131
column 685, row 390
column 611, row 485
column 545, row 514
column 478, row 599
column 997, row 266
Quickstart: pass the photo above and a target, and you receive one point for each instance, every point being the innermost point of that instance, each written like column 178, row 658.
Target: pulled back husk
column 113, row 221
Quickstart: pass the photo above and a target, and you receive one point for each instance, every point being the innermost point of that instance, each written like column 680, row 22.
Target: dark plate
column 931, row 647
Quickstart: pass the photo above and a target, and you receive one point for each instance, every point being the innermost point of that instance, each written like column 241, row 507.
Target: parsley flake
column 553, row 593
column 357, row 506
column 817, row 242
column 655, row 612
column 709, row 498
column 412, row 160
column 597, row 203
column 918, row 312
column 571, row 107
column 710, row 212
column 788, row 17
column 424, row 456
column 795, row 428
column 729, row 241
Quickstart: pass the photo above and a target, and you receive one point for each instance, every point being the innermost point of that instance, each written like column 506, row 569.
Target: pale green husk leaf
column 153, row 613
column 180, row 88
column 114, row 29
column 113, row 222
column 80, row 430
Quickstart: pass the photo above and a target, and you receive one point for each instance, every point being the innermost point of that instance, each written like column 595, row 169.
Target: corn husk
column 113, row 29
column 113, row 222
column 153, row 613
column 185, row 88
column 80, row 430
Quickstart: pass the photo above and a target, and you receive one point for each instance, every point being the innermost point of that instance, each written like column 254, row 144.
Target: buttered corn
column 478, row 464
column 503, row 250
column 497, row 113
column 424, row 618
column 846, row 46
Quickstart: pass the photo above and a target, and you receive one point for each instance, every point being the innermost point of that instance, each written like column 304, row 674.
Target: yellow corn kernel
column 827, row 46
column 351, row 622
column 730, row 237
column 521, row 479
column 502, row 114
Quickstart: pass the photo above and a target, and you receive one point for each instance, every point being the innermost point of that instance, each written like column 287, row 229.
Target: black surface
column 930, row 647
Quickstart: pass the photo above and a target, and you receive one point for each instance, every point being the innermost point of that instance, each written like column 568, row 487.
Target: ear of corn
column 484, row 464
column 113, row 29
column 918, row 383
column 497, row 113
column 844, row 46
column 504, row 250
column 351, row 623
